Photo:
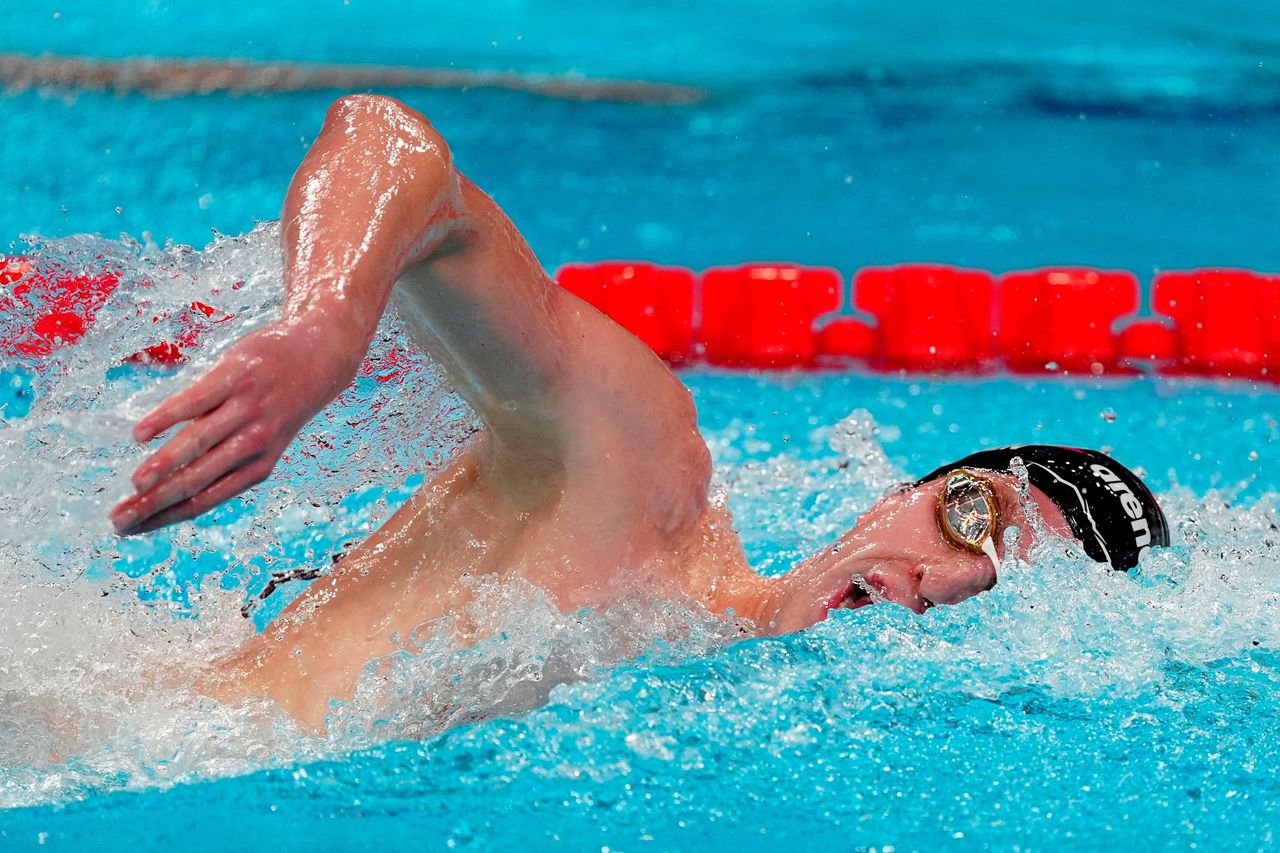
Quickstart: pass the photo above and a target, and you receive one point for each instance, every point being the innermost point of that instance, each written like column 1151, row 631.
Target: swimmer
column 590, row 475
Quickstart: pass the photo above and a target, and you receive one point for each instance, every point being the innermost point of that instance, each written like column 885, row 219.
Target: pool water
column 1069, row 707
column 1135, row 136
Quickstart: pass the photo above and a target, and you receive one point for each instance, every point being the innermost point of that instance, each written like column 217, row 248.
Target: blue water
column 1067, row 708
column 1137, row 136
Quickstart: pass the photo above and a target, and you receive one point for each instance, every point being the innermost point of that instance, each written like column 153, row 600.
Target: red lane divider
column 1150, row 342
column 171, row 352
column 924, row 317
column 653, row 303
column 1227, row 321
column 762, row 315
column 1063, row 319
column 846, row 337
column 928, row 317
column 69, row 302
column 13, row 269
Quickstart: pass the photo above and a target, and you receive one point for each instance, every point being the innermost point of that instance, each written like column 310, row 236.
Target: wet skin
column 589, row 479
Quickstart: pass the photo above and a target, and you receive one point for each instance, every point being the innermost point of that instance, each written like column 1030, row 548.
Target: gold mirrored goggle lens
column 967, row 511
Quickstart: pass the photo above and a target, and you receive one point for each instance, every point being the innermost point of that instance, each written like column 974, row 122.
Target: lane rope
column 176, row 77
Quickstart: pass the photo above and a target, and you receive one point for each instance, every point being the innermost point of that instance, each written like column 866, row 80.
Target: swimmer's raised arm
column 376, row 200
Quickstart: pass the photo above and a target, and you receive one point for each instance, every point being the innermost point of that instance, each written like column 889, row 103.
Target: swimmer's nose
column 952, row 581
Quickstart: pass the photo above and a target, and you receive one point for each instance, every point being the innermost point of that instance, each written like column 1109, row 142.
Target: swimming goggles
column 968, row 513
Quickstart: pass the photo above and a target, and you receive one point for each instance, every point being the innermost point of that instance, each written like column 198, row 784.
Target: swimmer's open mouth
column 857, row 595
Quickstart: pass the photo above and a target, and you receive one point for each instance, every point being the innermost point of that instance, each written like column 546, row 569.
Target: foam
column 98, row 637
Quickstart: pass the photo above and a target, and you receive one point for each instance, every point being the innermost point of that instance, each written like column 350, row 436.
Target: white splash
column 98, row 635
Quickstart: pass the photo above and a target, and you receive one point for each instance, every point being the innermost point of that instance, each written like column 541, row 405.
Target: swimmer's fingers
column 223, row 489
column 195, row 439
column 244, row 458
column 201, row 396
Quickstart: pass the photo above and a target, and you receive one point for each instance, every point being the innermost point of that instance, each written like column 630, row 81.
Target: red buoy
column 1227, row 321
column 762, row 315
column 67, row 302
column 929, row 316
column 651, row 302
column 1063, row 319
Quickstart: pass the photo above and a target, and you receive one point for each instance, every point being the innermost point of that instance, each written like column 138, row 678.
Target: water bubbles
column 935, row 724
column 95, row 627
column 101, row 638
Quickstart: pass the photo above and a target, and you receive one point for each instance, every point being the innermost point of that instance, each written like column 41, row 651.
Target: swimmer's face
column 897, row 553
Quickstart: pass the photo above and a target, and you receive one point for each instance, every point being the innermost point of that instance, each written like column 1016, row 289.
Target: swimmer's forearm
column 369, row 200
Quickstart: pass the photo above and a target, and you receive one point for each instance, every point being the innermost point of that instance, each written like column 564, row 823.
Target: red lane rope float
column 929, row 317
column 917, row 317
column 68, row 301
column 1062, row 319
column 762, row 315
column 653, row 303
column 171, row 352
column 1227, row 321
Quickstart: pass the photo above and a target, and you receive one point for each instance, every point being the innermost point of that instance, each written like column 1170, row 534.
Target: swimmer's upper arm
column 555, row 381
column 483, row 307
column 470, row 289
column 560, row 386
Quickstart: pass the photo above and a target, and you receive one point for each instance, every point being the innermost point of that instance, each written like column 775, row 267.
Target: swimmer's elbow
column 408, row 131
column 388, row 112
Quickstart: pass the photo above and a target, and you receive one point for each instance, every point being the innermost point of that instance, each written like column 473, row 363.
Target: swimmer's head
column 1109, row 509
column 940, row 540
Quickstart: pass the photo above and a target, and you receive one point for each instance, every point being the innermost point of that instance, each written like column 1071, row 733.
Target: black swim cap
column 1110, row 510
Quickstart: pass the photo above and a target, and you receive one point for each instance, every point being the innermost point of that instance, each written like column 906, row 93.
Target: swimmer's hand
column 241, row 415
